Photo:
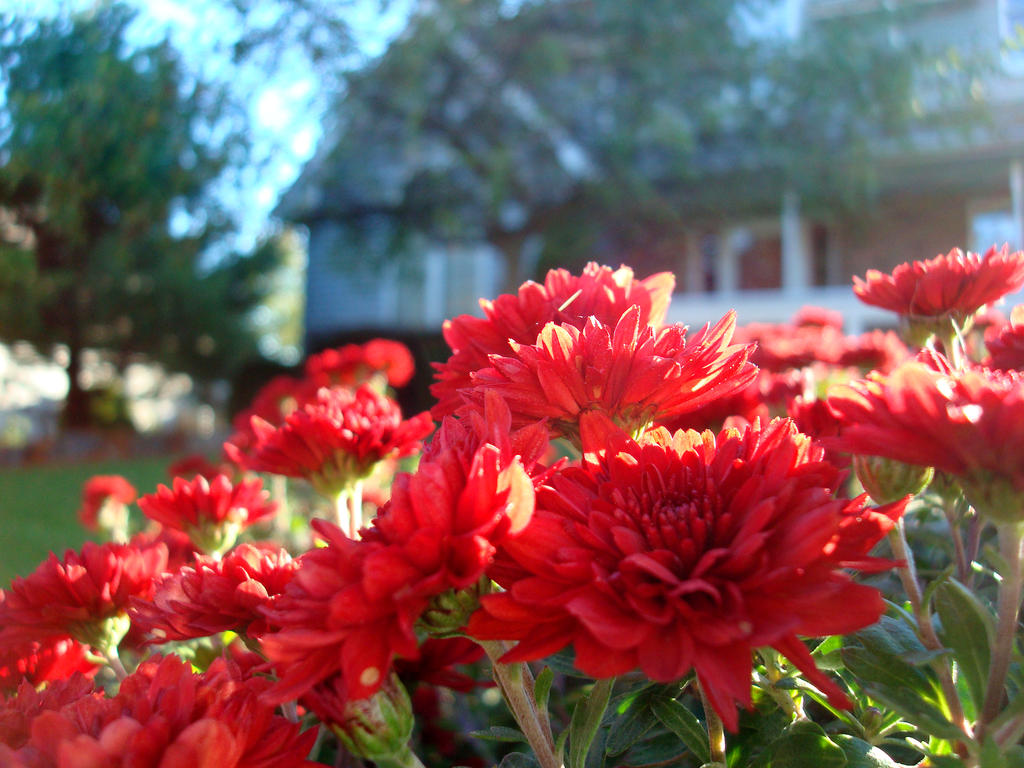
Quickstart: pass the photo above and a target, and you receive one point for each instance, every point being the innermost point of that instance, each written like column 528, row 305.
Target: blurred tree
column 588, row 125
column 108, row 154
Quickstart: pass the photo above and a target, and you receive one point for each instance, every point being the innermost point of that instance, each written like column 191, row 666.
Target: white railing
column 695, row 309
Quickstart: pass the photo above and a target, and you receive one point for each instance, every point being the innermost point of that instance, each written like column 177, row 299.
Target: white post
column 727, row 273
column 693, row 266
column 435, row 303
column 795, row 269
column 1017, row 201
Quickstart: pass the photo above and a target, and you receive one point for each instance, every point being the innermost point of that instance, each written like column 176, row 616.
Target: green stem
column 279, row 493
column 404, row 759
column 342, row 517
column 962, row 565
column 716, row 731
column 1010, row 544
column 925, row 630
column 356, row 508
column 516, row 684
column 953, row 341
column 114, row 662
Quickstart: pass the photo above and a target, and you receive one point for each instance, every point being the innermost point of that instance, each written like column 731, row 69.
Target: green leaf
column 903, row 688
column 826, row 655
column 1015, row 756
column 685, row 725
column 938, row 581
column 631, row 726
column 860, row 754
column 803, row 745
column 967, row 628
column 891, row 636
column 1013, row 711
column 662, row 749
column 563, row 663
column 518, row 760
column 586, row 719
column 499, row 733
column 542, row 688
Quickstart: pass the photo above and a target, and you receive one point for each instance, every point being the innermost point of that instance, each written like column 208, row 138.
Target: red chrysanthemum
column 629, row 372
column 211, row 512
column 688, row 551
column 337, row 439
column 17, row 712
column 563, row 298
column 966, row 423
column 197, row 464
column 352, row 605
column 100, row 490
column 278, row 398
column 955, row 285
column 436, row 664
column 873, row 351
column 85, row 595
column 55, row 658
column 164, row 716
column 1006, row 344
column 768, row 395
column 212, row 596
column 355, row 364
column 821, row 317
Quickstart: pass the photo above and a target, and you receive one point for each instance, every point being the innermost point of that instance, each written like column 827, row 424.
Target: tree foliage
column 108, row 153
column 597, row 123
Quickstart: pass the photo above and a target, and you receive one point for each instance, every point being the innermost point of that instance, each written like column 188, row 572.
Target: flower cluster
column 687, row 551
column 607, row 494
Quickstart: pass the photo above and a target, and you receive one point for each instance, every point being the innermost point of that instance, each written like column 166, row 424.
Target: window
column 992, row 227
column 1011, row 30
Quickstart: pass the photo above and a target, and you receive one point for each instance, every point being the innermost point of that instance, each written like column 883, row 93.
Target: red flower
column 18, row 711
column 436, row 664
column 340, row 614
column 686, row 551
column 599, row 292
column 85, row 595
column 822, row 317
column 211, row 512
column 766, row 395
column 955, row 285
column 1006, row 345
column 278, row 398
column 355, row 364
column 100, row 490
column 338, row 439
column 197, row 464
column 781, row 347
column 966, row 423
column 352, row 605
column 213, row 596
column 55, row 658
column 164, row 716
column 632, row 374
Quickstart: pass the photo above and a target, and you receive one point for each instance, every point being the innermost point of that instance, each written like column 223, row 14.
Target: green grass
column 39, row 507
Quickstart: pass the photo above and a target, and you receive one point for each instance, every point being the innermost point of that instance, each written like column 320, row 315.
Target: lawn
column 39, row 505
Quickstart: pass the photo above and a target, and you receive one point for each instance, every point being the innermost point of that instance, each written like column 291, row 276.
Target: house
column 403, row 232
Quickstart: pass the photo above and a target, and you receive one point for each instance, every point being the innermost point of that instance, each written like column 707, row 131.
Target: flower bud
column 947, row 486
column 448, row 613
column 994, row 497
column 103, row 635
column 379, row 726
column 887, row 480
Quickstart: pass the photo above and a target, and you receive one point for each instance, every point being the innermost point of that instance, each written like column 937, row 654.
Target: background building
column 454, row 171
